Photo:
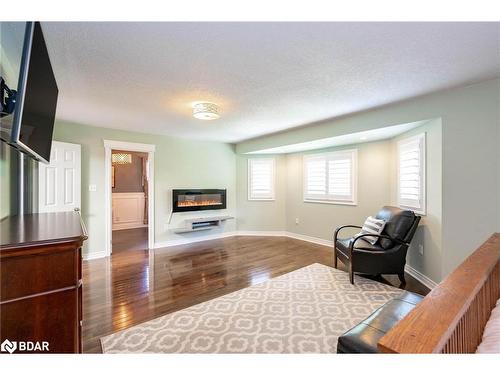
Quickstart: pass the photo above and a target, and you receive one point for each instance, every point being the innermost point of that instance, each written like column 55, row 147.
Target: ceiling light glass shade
column 206, row 111
column 121, row 158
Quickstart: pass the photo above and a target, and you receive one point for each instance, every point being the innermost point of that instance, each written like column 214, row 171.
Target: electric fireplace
column 198, row 199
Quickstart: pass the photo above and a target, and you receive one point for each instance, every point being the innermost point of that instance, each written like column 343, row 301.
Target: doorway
column 129, row 187
column 129, row 197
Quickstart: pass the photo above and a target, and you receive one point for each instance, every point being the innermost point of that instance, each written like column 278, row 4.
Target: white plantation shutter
column 330, row 177
column 261, row 179
column 411, row 173
column 339, row 175
column 316, row 176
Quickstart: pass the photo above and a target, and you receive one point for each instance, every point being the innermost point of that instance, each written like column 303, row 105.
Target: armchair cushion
column 398, row 223
column 344, row 243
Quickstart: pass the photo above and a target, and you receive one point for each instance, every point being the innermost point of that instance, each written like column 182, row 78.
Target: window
column 331, row 177
column 411, row 173
column 261, row 179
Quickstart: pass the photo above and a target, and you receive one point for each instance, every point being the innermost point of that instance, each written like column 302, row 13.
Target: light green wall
column 377, row 187
column 470, row 161
column 11, row 46
column 429, row 232
column 261, row 215
column 179, row 163
column 320, row 219
column 5, row 153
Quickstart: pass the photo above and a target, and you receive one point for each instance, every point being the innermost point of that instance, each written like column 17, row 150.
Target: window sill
column 342, row 203
column 416, row 210
column 261, row 199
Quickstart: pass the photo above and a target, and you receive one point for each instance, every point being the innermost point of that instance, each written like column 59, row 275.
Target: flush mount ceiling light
column 205, row 111
column 121, row 158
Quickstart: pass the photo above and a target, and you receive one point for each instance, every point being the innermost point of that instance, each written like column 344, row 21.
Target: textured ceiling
column 267, row 77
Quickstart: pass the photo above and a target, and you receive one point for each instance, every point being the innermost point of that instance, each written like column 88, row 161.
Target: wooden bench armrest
column 451, row 318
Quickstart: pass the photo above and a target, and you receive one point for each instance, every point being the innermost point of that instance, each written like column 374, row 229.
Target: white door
column 60, row 181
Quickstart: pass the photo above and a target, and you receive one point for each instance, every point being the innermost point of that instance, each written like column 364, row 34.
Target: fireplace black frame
column 177, row 192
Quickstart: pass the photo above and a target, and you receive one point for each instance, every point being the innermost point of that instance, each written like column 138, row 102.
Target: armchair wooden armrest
column 335, row 236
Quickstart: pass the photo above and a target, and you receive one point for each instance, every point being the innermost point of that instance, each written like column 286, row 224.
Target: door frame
column 110, row 145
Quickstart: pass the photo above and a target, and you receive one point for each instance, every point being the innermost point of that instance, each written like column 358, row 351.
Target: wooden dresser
column 41, row 280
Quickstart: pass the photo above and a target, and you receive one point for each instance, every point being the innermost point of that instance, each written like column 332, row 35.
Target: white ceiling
column 267, row 77
column 345, row 139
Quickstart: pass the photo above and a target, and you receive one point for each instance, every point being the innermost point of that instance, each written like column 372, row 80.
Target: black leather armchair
column 388, row 255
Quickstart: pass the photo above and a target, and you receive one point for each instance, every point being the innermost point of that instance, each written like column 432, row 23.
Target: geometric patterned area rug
column 303, row 311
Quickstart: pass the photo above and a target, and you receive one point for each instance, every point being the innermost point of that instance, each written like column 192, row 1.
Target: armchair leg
column 351, row 274
column 402, row 278
column 335, row 258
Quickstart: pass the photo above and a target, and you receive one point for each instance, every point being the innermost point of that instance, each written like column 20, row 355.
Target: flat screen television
column 34, row 112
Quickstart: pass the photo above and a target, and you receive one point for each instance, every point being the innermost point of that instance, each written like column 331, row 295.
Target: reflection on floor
column 130, row 239
column 135, row 285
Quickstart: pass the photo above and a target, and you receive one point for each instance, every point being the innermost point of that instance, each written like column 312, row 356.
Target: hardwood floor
column 135, row 285
column 130, row 239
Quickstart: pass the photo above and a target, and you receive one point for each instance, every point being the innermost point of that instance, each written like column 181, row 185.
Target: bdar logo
column 8, row 346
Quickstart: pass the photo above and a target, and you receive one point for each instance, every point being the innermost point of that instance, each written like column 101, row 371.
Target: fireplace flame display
column 198, row 203
column 197, row 200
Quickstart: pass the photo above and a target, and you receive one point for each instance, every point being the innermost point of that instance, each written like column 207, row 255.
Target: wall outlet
column 421, row 249
column 297, row 221
column 92, row 187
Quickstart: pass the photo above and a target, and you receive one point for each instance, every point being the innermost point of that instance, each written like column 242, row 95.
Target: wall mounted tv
column 28, row 113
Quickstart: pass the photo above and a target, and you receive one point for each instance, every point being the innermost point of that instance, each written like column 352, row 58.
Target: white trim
column 129, row 146
column 110, row 145
column 429, row 283
column 265, row 233
column 272, row 195
column 303, row 237
column 124, row 226
column 342, row 203
column 277, row 233
column 185, row 241
column 327, row 198
column 422, row 140
column 94, row 255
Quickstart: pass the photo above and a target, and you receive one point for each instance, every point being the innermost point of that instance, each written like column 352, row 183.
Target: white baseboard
column 123, row 226
column 303, row 237
column 188, row 240
column 420, row 277
column 265, row 233
column 94, row 255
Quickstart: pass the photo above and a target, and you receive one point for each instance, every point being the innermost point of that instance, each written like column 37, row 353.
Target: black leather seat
column 364, row 337
column 388, row 254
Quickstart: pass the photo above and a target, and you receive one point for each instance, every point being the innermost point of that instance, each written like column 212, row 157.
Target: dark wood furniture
column 452, row 317
column 41, row 279
column 388, row 254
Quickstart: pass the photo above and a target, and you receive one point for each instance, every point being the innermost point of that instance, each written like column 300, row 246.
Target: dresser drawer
column 27, row 275
column 52, row 318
